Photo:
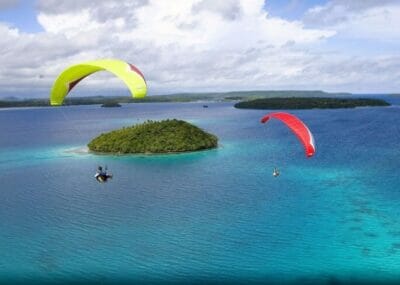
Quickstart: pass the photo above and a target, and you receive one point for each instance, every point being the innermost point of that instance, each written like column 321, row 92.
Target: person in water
column 276, row 172
column 101, row 175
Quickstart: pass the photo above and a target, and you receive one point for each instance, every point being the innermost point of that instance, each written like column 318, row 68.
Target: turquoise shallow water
column 216, row 215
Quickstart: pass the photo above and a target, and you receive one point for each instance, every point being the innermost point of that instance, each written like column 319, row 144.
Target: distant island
column 154, row 137
column 8, row 102
column 308, row 103
column 111, row 105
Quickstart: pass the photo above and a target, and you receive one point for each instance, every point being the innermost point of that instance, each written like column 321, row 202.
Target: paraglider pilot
column 101, row 175
column 276, row 172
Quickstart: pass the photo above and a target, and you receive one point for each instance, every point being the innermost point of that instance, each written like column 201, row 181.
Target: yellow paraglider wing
column 71, row 76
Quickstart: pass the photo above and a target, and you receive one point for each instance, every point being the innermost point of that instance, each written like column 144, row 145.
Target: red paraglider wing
column 298, row 127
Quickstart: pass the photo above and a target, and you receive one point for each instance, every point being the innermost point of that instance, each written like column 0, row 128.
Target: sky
column 203, row 45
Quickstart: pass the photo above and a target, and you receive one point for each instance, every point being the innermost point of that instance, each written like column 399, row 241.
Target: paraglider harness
column 102, row 176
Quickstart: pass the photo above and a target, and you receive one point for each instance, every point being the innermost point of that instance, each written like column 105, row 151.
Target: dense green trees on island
column 308, row 103
column 168, row 136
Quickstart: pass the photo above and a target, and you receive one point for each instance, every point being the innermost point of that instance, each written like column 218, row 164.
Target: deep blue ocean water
column 215, row 215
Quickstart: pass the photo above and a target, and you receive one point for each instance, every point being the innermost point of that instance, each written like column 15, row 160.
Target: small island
column 111, row 105
column 309, row 103
column 154, row 137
